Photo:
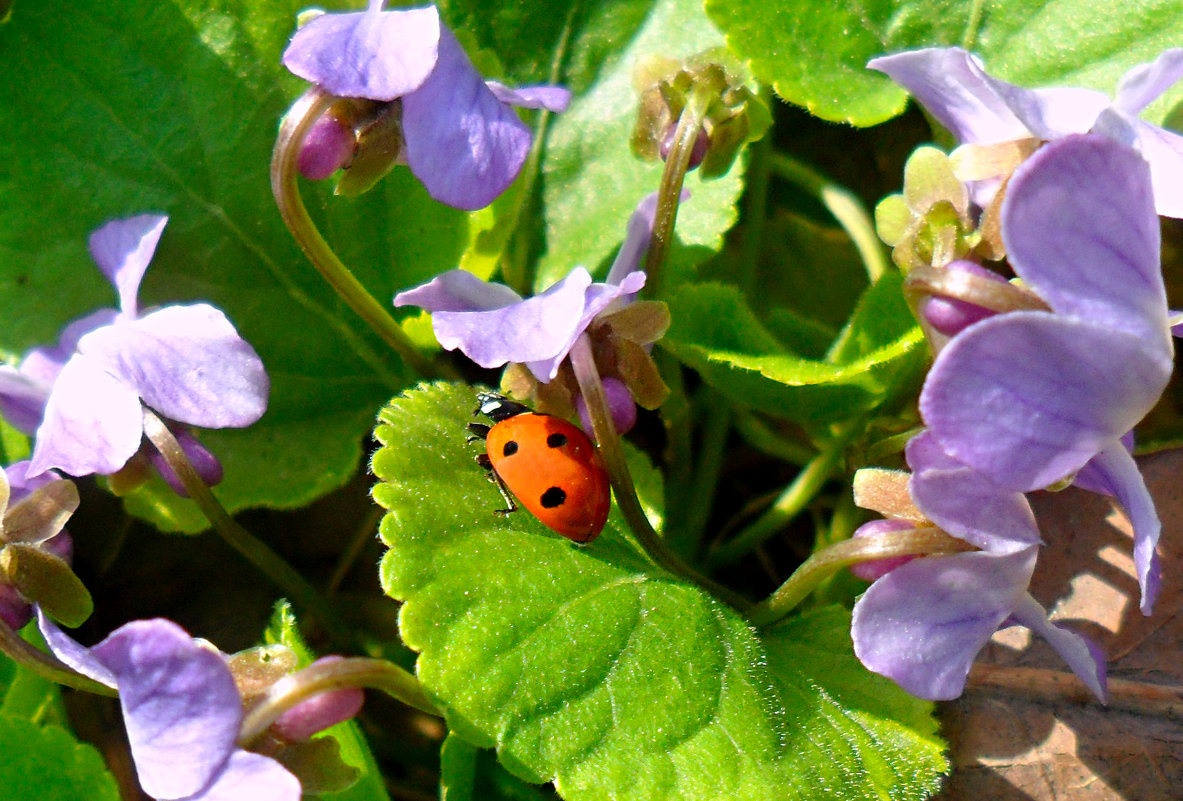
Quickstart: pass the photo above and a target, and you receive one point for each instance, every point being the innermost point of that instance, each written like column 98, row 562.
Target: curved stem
column 338, row 674
column 847, row 209
column 284, row 186
column 997, row 296
column 795, row 497
column 271, row 564
column 669, row 192
column 926, row 541
column 46, row 665
column 612, row 452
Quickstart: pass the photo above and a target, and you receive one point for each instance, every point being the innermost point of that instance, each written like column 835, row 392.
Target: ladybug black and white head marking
column 498, row 407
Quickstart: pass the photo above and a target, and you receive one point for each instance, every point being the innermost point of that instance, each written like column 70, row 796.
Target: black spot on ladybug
column 556, row 440
column 510, row 448
column 553, row 497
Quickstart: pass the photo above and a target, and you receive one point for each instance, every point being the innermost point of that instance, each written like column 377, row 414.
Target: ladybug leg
column 477, row 432
column 510, row 505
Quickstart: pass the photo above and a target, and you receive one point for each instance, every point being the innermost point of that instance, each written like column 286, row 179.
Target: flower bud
column 319, row 712
column 620, row 404
column 328, row 147
column 950, row 315
column 876, row 568
column 204, row 463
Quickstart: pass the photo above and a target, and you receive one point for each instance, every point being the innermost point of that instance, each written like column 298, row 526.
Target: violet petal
column 75, row 656
column 180, row 705
column 1079, row 652
column 965, row 503
column 535, row 329
column 122, row 249
column 457, row 291
column 1027, row 398
column 93, row 422
column 186, row 362
column 551, row 98
column 923, row 623
column 464, row 144
column 251, row 777
column 374, row 54
column 1122, row 474
column 1080, row 228
column 1143, row 84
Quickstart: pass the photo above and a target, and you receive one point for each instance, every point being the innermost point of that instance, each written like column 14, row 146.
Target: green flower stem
column 271, row 564
column 697, row 505
column 338, row 674
column 46, row 665
column 284, row 185
column 927, row 541
column 669, row 192
column 799, row 494
column 847, row 209
column 612, row 452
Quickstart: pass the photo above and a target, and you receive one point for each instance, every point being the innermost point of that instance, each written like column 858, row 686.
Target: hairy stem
column 927, row 541
column 285, row 187
column 338, row 674
column 271, row 564
column 612, row 452
column 46, row 665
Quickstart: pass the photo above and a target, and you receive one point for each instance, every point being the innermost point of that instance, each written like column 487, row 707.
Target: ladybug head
column 498, row 407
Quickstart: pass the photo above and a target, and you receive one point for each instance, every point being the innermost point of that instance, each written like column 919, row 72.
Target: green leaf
column 814, row 53
column 48, row 764
column 355, row 749
column 590, row 668
column 593, row 181
column 874, row 359
column 177, row 113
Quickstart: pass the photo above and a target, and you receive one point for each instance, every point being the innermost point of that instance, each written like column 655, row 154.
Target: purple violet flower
column 978, row 109
column 182, row 711
column 186, row 362
column 1028, row 398
column 16, row 485
column 492, row 325
column 923, row 623
column 462, row 139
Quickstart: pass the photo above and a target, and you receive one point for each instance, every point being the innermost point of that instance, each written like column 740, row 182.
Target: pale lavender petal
column 75, row 656
column 538, row 328
column 1080, row 228
column 22, row 399
column 1144, row 83
column 375, row 54
column 1123, row 475
column 457, row 291
column 1053, row 113
column 952, row 85
column 597, row 298
column 21, row 483
column 180, row 705
column 251, row 777
column 1079, row 652
column 1163, row 150
column 122, row 249
column 551, row 98
column 636, row 240
column 966, row 503
column 1027, row 398
column 464, row 144
column 923, row 623
column 1094, row 478
column 186, row 362
column 93, row 422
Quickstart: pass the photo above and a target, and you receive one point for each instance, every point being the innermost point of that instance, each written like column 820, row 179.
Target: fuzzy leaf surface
column 591, row 668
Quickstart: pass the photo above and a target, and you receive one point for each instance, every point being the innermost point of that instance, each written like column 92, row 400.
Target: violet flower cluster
column 458, row 133
column 83, row 399
column 183, row 709
column 1023, row 400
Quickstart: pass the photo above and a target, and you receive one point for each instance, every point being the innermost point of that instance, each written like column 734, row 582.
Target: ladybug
column 549, row 465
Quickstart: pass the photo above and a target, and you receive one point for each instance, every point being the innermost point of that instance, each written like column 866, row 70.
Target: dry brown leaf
column 1026, row 730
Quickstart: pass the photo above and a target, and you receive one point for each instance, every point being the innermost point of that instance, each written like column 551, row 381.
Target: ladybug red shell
column 548, row 464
